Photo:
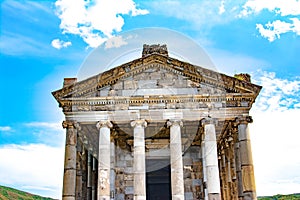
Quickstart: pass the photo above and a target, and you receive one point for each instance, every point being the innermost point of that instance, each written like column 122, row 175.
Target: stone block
column 188, row 196
column 197, row 182
column 128, row 177
column 245, row 152
column 129, row 190
column 147, row 84
column 121, row 163
column 248, row 178
column 120, row 196
column 118, row 85
column 69, row 182
column 128, row 170
column 187, row 161
column 130, row 84
column 128, row 183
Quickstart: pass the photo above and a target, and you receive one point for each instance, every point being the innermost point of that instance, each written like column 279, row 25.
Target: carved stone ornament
column 71, row 124
column 174, row 123
column 208, row 120
column 104, row 123
column 244, row 120
column 139, row 122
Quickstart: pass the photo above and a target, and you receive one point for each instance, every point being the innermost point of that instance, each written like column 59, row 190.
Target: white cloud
column 115, row 42
column 95, row 21
column 283, row 8
column 222, row 7
column 58, row 44
column 36, row 168
column 5, row 128
column 277, row 94
column 273, row 30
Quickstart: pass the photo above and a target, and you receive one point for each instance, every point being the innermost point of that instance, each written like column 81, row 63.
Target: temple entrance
column 158, row 180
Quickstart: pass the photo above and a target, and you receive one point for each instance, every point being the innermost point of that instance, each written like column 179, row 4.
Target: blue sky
column 44, row 41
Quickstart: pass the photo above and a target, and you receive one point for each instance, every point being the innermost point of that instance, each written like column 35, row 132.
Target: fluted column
column 139, row 165
column 211, row 160
column 69, row 181
column 247, row 170
column 177, row 183
column 104, row 160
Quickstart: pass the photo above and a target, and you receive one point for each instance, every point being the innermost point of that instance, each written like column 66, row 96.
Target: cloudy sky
column 44, row 41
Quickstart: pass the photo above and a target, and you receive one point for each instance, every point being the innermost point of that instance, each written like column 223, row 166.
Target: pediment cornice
column 192, row 72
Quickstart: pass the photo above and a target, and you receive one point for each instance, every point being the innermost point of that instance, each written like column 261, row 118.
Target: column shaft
column 204, row 170
column 176, row 160
column 79, row 172
column 69, row 180
column 89, row 175
column 211, row 161
column 104, row 160
column 139, row 165
column 94, row 178
column 247, row 171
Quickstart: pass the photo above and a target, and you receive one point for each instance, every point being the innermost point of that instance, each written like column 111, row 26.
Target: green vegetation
column 7, row 193
column 281, row 197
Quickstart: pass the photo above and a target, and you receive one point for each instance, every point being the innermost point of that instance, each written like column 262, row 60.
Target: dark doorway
column 158, row 181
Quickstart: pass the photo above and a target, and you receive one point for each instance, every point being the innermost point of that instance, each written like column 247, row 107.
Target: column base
column 177, row 197
column 68, row 198
column 214, row 197
column 250, row 196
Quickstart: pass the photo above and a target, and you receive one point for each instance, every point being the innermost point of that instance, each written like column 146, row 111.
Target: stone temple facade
column 158, row 128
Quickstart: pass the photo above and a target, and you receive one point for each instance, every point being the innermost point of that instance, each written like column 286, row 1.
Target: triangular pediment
column 156, row 74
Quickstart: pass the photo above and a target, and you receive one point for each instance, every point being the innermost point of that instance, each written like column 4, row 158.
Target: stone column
column 204, row 170
column 79, row 171
column 69, row 182
column 112, row 168
column 94, row 178
column 176, row 160
column 139, row 165
column 89, row 175
column 84, row 172
column 211, row 160
column 247, row 170
column 104, row 160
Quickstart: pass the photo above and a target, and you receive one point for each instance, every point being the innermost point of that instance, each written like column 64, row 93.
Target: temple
column 158, row 128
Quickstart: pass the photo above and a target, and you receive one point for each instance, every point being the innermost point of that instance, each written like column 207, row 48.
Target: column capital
column 243, row 120
column 208, row 120
column 104, row 123
column 139, row 122
column 173, row 122
column 71, row 124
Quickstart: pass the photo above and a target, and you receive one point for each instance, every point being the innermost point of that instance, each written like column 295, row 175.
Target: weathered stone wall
column 192, row 165
column 124, row 174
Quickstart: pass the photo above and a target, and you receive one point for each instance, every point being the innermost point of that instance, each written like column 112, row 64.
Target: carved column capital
column 104, row 123
column 243, row 120
column 71, row 124
column 139, row 122
column 208, row 120
column 174, row 122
